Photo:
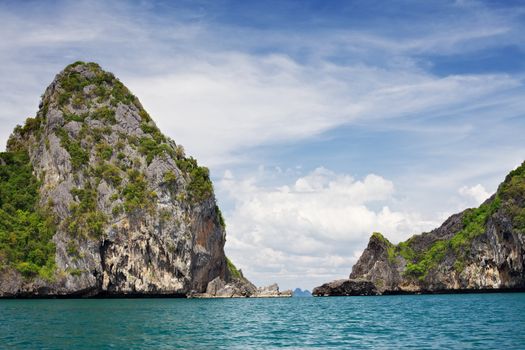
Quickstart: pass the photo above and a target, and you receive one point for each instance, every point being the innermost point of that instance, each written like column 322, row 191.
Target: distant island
column 96, row 201
column 480, row 249
column 299, row 293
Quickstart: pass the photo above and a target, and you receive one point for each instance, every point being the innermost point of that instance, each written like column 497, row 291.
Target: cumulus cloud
column 315, row 225
column 478, row 194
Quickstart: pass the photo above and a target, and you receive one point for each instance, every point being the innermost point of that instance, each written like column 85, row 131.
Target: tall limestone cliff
column 95, row 200
column 481, row 249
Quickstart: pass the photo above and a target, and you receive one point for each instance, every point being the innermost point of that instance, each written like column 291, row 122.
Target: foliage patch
column 25, row 230
column 135, row 193
column 85, row 219
column 79, row 156
column 200, row 186
column 234, row 272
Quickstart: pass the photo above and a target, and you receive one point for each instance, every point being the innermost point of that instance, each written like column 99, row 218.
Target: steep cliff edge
column 95, row 200
column 479, row 249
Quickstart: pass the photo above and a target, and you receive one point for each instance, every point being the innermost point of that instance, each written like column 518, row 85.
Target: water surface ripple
column 473, row 321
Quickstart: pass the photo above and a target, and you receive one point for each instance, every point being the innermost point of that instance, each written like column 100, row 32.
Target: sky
column 321, row 121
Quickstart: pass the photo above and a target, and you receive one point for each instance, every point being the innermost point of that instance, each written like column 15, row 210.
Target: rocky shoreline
column 240, row 289
column 332, row 289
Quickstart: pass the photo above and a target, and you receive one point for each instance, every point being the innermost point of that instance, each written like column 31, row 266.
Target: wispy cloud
column 220, row 107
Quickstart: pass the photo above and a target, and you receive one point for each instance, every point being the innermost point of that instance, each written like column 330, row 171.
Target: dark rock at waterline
column 346, row 287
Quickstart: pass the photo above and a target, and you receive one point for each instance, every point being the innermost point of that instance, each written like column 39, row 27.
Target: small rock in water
column 346, row 288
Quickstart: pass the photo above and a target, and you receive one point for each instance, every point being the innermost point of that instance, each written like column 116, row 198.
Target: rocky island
column 477, row 250
column 96, row 201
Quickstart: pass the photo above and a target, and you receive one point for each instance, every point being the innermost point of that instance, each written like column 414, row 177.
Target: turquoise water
column 480, row 321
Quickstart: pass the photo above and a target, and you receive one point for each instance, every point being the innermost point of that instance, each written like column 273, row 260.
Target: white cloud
column 204, row 88
column 477, row 193
column 312, row 228
column 224, row 105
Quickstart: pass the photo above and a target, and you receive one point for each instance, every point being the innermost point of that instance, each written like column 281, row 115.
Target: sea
column 455, row 321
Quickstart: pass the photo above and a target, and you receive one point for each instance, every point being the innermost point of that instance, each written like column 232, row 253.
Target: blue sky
column 321, row 121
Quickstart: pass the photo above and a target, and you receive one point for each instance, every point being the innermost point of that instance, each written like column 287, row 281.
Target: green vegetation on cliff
column 474, row 221
column 106, row 86
column 234, row 272
column 221, row 218
column 85, row 219
column 512, row 195
column 79, row 156
column 379, row 236
column 153, row 144
column 509, row 199
column 25, row 230
column 32, row 126
column 135, row 193
column 200, row 186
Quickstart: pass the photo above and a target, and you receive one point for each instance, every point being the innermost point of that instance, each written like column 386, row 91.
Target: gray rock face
column 480, row 249
column 134, row 215
column 374, row 265
column 345, row 288
column 241, row 288
column 272, row 291
column 237, row 288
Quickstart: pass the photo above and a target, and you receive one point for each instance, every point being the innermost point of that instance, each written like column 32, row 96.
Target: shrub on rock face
column 86, row 220
column 234, row 272
column 136, row 193
column 200, row 186
column 79, row 156
column 104, row 114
